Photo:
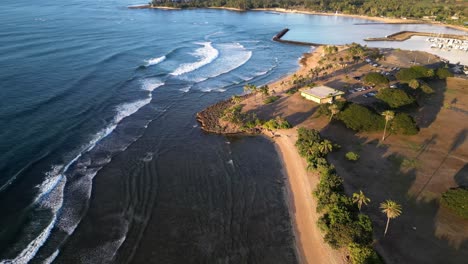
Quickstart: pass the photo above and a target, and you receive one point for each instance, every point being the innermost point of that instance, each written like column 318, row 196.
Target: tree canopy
column 441, row 10
column 360, row 118
column 395, row 98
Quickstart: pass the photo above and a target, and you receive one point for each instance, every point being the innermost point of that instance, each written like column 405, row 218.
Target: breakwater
column 404, row 35
column 279, row 35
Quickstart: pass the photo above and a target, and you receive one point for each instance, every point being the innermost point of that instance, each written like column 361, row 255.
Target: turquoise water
column 101, row 157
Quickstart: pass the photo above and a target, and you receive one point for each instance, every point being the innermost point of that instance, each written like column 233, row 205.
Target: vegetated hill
column 449, row 11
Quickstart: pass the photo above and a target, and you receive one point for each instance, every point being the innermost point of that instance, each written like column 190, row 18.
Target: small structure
column 322, row 94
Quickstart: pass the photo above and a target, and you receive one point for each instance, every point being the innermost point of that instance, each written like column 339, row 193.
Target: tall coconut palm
column 252, row 89
column 325, row 146
column 391, row 209
column 334, row 110
column 389, row 115
column 360, row 199
column 236, row 99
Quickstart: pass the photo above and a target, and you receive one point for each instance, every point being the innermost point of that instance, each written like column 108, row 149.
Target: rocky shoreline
column 211, row 121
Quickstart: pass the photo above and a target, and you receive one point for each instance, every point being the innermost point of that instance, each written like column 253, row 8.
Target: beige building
column 322, row 94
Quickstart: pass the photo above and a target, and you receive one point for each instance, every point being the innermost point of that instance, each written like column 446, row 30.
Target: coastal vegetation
column 341, row 220
column 448, row 11
column 404, row 124
column 351, row 156
column 277, row 123
column 271, row 99
column 395, row 98
column 361, row 118
column 377, row 79
column 456, row 200
column 414, row 72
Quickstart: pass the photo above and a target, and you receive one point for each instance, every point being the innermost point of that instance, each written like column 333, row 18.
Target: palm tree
column 334, row 110
column 391, row 209
column 325, row 146
column 236, row 99
column 360, row 199
column 389, row 115
column 252, row 89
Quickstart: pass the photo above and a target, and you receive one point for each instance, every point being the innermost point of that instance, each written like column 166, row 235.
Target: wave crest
column 154, row 61
column 207, row 54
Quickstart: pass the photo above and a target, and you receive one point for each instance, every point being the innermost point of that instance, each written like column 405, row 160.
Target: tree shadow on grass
column 414, row 236
column 461, row 178
column 431, row 104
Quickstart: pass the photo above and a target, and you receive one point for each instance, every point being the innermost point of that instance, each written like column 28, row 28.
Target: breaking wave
column 207, row 54
column 51, row 191
column 155, row 61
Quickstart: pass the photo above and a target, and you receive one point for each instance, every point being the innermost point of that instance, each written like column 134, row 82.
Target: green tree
column 395, row 98
column 392, row 210
column 443, row 73
column 388, row 115
column 414, row 84
column 236, row 99
column 404, row 124
column 375, row 78
column 360, row 118
column 360, row 199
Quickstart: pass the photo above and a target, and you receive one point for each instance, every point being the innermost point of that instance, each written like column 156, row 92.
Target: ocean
column 101, row 158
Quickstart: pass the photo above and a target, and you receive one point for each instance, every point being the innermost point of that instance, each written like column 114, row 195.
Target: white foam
column 154, row 61
column 53, row 202
column 207, row 90
column 207, row 54
column 185, row 89
column 50, row 194
column 51, row 258
column 51, row 180
column 233, row 56
column 151, row 84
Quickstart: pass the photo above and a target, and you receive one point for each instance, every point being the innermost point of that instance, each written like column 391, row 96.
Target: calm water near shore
column 101, row 159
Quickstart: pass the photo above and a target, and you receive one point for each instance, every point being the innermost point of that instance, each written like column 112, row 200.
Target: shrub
column 443, row 73
column 271, row 99
column 292, row 91
column 277, row 123
column 395, row 97
column 456, row 200
column 352, row 156
column 359, row 118
column 234, row 114
column 403, row 124
column 375, row 79
column 363, row 254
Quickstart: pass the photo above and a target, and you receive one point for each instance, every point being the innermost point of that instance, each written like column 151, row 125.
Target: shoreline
column 384, row 20
column 309, row 243
column 300, row 183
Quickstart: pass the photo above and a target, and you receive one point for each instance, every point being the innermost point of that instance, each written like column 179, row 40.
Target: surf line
column 278, row 38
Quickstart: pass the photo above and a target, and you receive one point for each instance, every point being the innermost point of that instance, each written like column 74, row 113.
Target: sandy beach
column 386, row 20
column 301, row 183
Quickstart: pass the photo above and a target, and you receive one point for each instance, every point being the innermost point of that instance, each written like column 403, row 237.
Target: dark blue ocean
column 101, row 158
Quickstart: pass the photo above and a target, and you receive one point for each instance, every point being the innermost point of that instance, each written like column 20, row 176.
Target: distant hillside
column 448, row 11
